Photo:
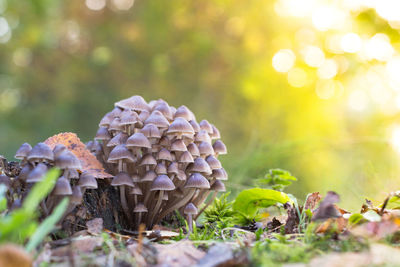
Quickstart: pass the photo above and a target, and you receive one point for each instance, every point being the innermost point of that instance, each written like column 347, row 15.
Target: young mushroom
column 190, row 210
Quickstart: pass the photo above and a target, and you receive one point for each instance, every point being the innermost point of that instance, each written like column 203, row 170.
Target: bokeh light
column 283, row 60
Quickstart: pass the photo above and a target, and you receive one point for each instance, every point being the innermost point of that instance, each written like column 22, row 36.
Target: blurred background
column 311, row 86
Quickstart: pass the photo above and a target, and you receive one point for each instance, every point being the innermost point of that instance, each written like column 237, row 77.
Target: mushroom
column 22, row 152
column 219, row 148
column 40, row 153
column 121, row 180
column 190, row 210
column 217, row 186
column 161, row 183
column 139, row 208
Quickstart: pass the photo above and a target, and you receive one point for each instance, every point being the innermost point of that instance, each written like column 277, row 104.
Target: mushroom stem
column 156, row 208
column 190, row 222
column 176, row 205
column 123, row 201
column 139, row 219
column 207, row 204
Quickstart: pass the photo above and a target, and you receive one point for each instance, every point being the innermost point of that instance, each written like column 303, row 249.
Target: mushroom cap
column 213, row 162
column 190, row 209
column 162, row 182
column 161, row 169
column 115, row 125
column 129, row 118
column 143, row 115
column 219, row 147
column 201, row 136
column 87, row 180
column 220, row 174
column 148, row 177
column 196, row 180
column 58, row 149
column 178, row 145
column 136, row 191
column 215, row 134
column 180, row 125
column 41, row 151
column 106, row 120
column 193, row 149
column 195, row 125
column 120, row 152
column 200, row 165
column 151, row 131
column 183, row 112
column 118, row 139
column 205, row 148
column 218, row 186
column 23, row 151
column 121, row 179
column 205, row 125
column 62, row 187
column 164, row 108
column 4, row 179
column 148, row 159
column 164, row 154
column 37, row 173
column 158, row 119
column 173, row 168
column 102, row 134
column 136, row 103
column 67, row 160
column 138, row 140
column 140, row 207
column 24, row 172
column 77, row 195
column 116, row 112
column 135, row 178
column 186, row 157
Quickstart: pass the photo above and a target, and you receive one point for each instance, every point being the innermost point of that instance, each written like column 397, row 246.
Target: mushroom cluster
column 34, row 164
column 162, row 159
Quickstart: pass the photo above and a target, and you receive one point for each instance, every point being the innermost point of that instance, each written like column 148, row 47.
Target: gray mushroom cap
column 219, row 147
column 140, row 208
column 120, row 152
column 201, row 166
column 62, row 187
column 37, row 173
column 87, row 180
column 138, row 140
column 121, row 179
column 190, row 209
column 67, row 160
column 180, row 126
column 23, row 151
column 218, row 186
column 102, row 134
column 136, row 103
column 41, row 151
column 196, row 180
column 162, row 182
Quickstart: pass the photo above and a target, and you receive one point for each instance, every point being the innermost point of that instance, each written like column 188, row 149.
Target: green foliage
column 286, row 249
column 22, row 224
column 277, row 179
column 220, row 213
column 250, row 201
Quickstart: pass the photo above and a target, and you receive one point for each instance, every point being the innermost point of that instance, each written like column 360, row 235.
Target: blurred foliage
column 277, row 179
column 21, row 224
column 309, row 86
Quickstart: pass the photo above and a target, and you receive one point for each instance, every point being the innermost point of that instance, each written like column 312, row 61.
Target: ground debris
column 224, row 255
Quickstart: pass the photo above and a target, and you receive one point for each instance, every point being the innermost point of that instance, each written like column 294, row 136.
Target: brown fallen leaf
column 89, row 162
column 14, row 256
column 312, row 200
column 182, row 253
column 95, row 226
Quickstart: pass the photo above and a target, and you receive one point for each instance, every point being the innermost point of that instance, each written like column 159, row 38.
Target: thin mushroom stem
column 156, row 208
column 190, row 222
column 122, row 194
column 207, row 204
column 176, row 205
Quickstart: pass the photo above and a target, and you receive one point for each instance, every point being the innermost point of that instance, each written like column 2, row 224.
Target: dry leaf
column 182, row 253
column 95, row 226
column 73, row 143
column 312, row 200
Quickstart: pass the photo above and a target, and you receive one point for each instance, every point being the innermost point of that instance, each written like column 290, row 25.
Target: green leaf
column 47, row 225
column 249, row 201
column 355, row 218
